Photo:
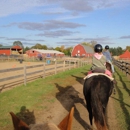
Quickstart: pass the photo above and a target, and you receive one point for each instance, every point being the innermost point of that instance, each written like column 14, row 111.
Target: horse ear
column 66, row 123
column 18, row 123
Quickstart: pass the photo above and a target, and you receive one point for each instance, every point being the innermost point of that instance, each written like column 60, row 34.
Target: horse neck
column 108, row 67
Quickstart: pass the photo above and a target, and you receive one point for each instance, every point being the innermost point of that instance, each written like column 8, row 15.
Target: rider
column 107, row 54
column 99, row 61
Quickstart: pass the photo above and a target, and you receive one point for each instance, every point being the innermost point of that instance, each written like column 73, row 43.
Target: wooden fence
column 123, row 66
column 21, row 75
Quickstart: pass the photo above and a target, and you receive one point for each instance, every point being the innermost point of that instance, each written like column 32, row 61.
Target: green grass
column 122, row 100
column 34, row 93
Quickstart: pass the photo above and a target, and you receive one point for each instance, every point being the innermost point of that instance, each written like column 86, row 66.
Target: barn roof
column 8, row 47
column 88, row 49
column 47, row 51
column 126, row 54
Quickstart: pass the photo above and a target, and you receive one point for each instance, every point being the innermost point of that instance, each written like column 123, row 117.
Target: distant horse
column 108, row 66
column 97, row 90
column 65, row 124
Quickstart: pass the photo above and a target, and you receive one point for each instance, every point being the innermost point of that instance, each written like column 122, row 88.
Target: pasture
column 15, row 73
column 50, row 100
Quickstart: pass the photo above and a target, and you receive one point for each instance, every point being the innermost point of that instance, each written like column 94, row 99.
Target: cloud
column 22, row 39
column 2, row 37
column 125, row 37
column 74, row 39
column 47, row 25
column 9, row 7
column 77, row 5
column 54, row 10
column 56, row 34
column 99, row 39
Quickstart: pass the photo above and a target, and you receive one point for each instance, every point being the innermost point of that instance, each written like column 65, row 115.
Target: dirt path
column 73, row 96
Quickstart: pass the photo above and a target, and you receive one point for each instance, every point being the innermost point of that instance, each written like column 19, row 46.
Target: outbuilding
column 125, row 55
column 82, row 51
column 44, row 53
column 10, row 50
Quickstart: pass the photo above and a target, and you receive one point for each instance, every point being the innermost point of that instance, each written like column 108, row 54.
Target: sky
column 55, row 23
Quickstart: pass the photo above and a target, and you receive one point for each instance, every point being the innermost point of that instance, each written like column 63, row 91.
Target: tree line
column 116, row 51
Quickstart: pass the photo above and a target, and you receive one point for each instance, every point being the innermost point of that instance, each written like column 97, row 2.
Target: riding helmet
column 106, row 47
column 98, row 48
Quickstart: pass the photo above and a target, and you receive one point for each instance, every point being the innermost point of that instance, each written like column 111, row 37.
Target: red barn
column 82, row 51
column 9, row 50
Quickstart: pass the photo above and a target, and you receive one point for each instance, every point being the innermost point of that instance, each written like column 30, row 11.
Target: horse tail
column 96, row 103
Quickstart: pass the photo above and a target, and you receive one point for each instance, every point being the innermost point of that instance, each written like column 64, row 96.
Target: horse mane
column 65, row 124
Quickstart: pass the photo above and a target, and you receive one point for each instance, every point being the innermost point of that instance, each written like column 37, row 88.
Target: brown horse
column 97, row 90
column 108, row 66
column 65, row 124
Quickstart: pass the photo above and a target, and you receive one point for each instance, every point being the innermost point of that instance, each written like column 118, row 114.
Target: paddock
column 72, row 96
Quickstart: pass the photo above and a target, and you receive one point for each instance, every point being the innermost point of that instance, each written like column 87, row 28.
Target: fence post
column 55, row 67
column 25, row 80
column 64, row 65
column 78, row 63
column 44, row 70
column 69, row 64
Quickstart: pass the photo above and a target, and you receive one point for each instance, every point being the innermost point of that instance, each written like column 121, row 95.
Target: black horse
column 97, row 90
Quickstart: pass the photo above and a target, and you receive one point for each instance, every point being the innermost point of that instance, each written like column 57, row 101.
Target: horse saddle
column 96, row 74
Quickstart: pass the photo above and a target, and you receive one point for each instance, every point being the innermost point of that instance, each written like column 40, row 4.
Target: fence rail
column 123, row 66
column 21, row 75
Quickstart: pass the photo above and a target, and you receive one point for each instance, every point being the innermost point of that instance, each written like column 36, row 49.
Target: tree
column 44, row 47
column 57, row 48
column 62, row 48
column 1, row 45
column 26, row 49
column 67, row 51
column 128, row 48
column 116, row 51
column 91, row 44
column 39, row 46
column 18, row 43
column 85, row 43
column 50, row 48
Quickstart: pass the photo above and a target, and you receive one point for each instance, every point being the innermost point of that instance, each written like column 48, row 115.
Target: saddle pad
column 95, row 74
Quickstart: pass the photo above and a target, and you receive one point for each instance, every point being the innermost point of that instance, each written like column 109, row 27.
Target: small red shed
column 82, row 51
column 125, row 55
column 9, row 50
